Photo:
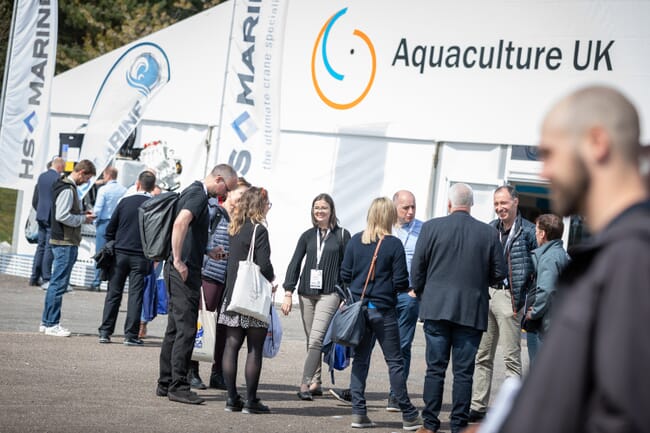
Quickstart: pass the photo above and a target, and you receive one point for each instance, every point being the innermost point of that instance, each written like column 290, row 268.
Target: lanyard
column 319, row 245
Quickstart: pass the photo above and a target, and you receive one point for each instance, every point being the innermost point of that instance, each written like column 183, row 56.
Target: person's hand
column 181, row 268
column 287, row 303
column 412, row 293
column 217, row 253
column 529, row 313
column 90, row 217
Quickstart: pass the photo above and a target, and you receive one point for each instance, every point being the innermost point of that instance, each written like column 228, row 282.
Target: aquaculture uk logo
column 337, row 90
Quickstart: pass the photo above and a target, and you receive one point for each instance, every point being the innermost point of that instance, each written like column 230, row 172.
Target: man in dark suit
column 42, row 202
column 456, row 258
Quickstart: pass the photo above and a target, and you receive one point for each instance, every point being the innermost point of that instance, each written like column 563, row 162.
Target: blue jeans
column 100, row 241
column 42, row 264
column 381, row 324
column 442, row 339
column 534, row 343
column 64, row 258
column 408, row 309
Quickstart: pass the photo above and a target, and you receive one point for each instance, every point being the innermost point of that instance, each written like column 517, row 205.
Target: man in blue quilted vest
column 507, row 298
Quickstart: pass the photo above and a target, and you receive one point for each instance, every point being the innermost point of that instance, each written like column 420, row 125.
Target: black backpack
column 156, row 219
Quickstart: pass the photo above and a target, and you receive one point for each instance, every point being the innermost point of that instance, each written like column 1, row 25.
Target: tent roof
column 196, row 48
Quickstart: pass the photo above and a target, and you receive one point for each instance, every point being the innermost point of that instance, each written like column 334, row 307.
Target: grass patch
column 7, row 213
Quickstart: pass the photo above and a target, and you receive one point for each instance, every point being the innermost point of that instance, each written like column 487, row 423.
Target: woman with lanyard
column 322, row 248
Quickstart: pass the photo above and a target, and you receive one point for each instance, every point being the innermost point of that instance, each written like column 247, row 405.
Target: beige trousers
column 504, row 328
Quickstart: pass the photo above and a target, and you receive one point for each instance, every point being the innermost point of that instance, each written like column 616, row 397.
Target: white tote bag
column 206, row 330
column 251, row 295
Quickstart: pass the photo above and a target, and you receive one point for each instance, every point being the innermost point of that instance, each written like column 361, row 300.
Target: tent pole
column 212, row 156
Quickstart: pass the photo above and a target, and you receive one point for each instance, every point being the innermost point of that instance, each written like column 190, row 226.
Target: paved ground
column 74, row 384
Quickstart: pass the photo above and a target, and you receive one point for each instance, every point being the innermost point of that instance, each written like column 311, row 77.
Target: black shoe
column 342, row 395
column 305, row 395
column 195, row 380
column 255, row 406
column 35, row 283
column 475, row 416
column 216, row 381
column 133, row 342
column 392, row 405
column 104, row 338
column 161, row 390
column 187, row 397
column 235, row 405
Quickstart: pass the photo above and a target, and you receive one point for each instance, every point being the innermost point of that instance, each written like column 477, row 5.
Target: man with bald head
column 592, row 373
column 42, row 202
column 456, row 258
column 407, row 230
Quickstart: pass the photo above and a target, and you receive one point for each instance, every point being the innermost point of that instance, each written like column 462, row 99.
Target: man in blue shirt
column 107, row 198
column 407, row 230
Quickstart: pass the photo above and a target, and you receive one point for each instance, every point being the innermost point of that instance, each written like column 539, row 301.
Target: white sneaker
column 45, row 285
column 69, row 289
column 41, row 328
column 57, row 331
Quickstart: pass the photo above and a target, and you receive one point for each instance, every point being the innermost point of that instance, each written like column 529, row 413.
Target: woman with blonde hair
column 388, row 277
column 249, row 217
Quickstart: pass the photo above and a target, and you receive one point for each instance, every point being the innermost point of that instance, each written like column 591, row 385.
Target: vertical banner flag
column 131, row 83
column 249, row 122
column 25, row 99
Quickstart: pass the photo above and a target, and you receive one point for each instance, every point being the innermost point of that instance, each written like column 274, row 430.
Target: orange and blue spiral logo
column 321, row 46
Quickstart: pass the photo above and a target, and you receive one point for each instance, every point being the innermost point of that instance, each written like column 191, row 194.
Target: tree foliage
column 90, row 29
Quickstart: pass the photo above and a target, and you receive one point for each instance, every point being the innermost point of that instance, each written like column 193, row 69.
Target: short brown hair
column 551, row 224
column 86, row 166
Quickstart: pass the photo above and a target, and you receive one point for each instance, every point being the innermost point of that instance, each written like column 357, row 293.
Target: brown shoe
column 143, row 330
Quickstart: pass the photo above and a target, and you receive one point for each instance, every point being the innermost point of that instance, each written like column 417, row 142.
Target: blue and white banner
column 250, row 117
column 25, row 100
column 131, row 83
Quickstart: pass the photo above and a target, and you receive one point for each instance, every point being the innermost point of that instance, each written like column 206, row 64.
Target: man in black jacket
column 183, row 277
column 507, row 297
column 123, row 228
column 456, row 258
column 592, row 374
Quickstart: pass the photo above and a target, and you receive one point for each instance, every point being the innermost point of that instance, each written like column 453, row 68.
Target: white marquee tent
column 436, row 111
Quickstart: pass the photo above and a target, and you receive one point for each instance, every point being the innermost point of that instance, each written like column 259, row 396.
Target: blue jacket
column 456, row 258
column 43, row 191
column 519, row 260
column 390, row 270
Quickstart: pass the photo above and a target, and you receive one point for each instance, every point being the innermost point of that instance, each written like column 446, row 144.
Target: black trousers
column 176, row 349
column 136, row 268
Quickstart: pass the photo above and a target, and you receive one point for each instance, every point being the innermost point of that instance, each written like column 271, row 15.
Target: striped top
column 216, row 269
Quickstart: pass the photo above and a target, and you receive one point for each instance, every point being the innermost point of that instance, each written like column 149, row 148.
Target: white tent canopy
column 421, row 125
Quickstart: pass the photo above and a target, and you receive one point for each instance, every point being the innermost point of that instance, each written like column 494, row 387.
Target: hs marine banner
column 25, row 100
column 249, row 122
column 131, row 83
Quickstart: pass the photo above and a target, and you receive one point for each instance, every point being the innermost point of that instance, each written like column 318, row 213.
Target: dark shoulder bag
column 349, row 322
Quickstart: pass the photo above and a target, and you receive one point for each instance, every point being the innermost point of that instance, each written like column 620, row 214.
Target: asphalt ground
column 75, row 384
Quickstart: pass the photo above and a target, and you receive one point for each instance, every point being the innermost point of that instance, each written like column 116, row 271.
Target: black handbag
column 349, row 323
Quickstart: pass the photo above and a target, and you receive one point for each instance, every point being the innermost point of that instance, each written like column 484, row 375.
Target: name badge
column 316, row 279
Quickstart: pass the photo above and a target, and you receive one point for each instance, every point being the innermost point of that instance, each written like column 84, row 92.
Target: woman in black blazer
column 250, row 215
